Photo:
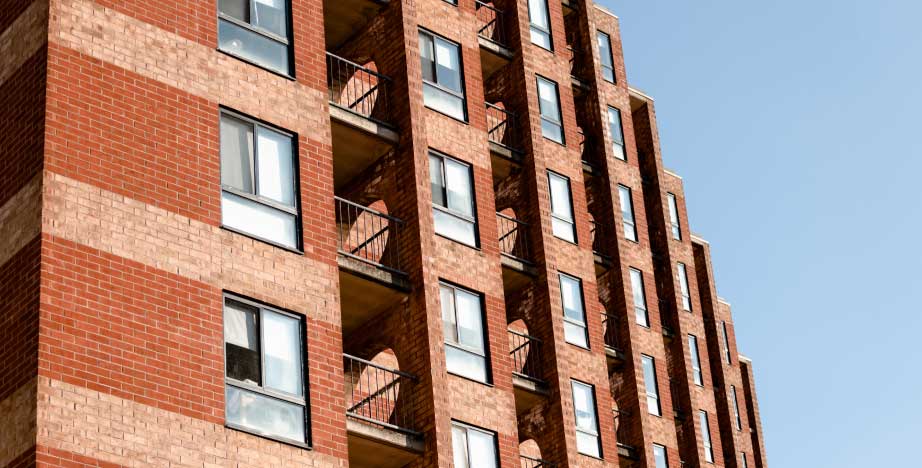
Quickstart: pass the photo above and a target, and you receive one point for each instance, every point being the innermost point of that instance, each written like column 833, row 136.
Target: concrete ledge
column 363, row 123
column 374, row 273
column 493, row 47
column 614, row 354
column 379, row 447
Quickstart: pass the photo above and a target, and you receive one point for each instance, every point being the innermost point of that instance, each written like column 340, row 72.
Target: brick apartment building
column 366, row 233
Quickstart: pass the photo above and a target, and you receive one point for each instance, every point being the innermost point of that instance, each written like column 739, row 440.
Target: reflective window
column 736, row 408
column 627, row 213
column 743, row 462
column 258, row 181
column 472, row 447
column 443, row 86
column 540, row 24
column 462, row 322
column 725, row 341
column 549, row 105
column 561, row 207
column 660, row 457
column 257, row 31
column 263, row 350
column 617, row 133
column 695, row 359
column 574, row 315
column 683, row 285
column 587, row 425
column 608, row 65
column 674, row 217
column 651, row 385
column 453, row 198
column 640, row 298
column 706, row 436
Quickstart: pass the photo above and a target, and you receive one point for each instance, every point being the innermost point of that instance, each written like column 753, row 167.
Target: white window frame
column 697, row 374
column 652, row 394
column 637, row 281
column 592, row 432
column 674, row 216
column 683, row 286
column 540, row 30
column 626, row 201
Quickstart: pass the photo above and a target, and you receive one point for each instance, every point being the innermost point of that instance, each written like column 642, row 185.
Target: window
column 627, row 213
column 256, row 31
column 549, row 105
column 472, row 447
column 540, row 24
column 561, row 207
column 652, row 387
column 725, row 340
column 683, row 284
column 659, row 456
column 462, row 320
column 640, row 298
column 587, row 425
column 258, row 180
column 443, row 84
column 574, row 315
column 706, row 436
column 696, row 359
column 608, row 65
column 453, row 199
column 617, row 133
column 736, row 408
column 674, row 217
column 264, row 379
column 745, row 463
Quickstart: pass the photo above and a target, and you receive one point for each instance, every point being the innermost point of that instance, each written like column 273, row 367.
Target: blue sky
column 796, row 126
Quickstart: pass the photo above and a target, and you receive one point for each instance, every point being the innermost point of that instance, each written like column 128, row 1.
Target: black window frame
column 624, row 221
column 656, row 394
column 619, row 141
column 665, row 454
column 585, row 325
column 487, row 361
column 255, row 198
column 463, row 83
column 611, row 58
column 595, row 407
column 563, row 134
column 549, row 31
column 550, row 196
column 287, row 41
column 471, row 427
column 675, row 224
column 445, row 209
column 305, row 402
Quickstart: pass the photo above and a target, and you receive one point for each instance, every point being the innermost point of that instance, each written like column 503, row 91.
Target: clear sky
column 796, row 126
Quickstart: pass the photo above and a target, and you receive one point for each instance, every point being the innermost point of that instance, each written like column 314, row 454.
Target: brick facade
column 114, row 261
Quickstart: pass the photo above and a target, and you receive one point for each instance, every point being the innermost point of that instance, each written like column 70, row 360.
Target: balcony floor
column 367, row 290
column 372, row 446
column 357, row 143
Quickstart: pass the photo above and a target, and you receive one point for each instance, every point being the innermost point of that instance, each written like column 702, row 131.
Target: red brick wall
column 19, row 289
column 22, row 103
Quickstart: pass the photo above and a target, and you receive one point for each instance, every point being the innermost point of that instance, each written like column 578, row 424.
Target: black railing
column 610, row 330
column 502, row 127
column 357, row 89
column 368, row 235
column 597, row 234
column 513, row 237
column 491, row 23
column 526, row 355
column 378, row 395
column 621, row 427
column 528, row 462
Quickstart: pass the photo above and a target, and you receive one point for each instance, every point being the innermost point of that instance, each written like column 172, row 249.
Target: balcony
column 598, row 233
column 530, row 387
column 379, row 415
column 624, row 450
column 577, row 74
column 494, row 49
column 342, row 18
column 518, row 268
column 370, row 277
column 529, row 462
column 358, row 113
column 502, row 132
column 613, row 352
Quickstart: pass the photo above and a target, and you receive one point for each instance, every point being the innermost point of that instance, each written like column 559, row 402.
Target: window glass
column 448, row 66
column 453, row 199
column 282, row 343
column 239, row 9
column 587, row 426
column 242, row 345
column 257, row 31
column 276, row 176
column 726, row 341
column 683, row 285
column 259, row 220
column 652, row 387
column 617, row 133
column 442, row 80
column 736, row 408
column 462, row 318
column 265, row 415
column 540, row 23
column 744, row 462
column 237, row 160
column 270, row 15
column 640, row 299
column 608, row 67
column 706, row 436
column 549, row 106
column 574, row 325
column 627, row 213
column 695, row 359
column 472, row 448
column 458, row 182
column 561, row 207
column 674, row 217
column 659, row 455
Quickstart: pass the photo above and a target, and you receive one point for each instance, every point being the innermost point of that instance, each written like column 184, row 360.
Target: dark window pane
column 239, row 9
column 241, row 336
column 427, row 57
column 237, row 153
column 270, row 15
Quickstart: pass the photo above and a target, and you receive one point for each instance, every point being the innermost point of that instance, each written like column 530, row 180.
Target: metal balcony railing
column 502, row 127
column 357, row 89
column 378, row 395
column 528, row 462
column 513, row 237
column 526, row 355
column 597, row 234
column 491, row 23
column 610, row 330
column 621, row 427
column 368, row 235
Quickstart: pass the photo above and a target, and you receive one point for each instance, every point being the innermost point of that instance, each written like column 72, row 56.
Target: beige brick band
column 23, row 38
column 17, row 430
column 114, row 430
column 20, row 219
column 197, row 69
column 112, row 223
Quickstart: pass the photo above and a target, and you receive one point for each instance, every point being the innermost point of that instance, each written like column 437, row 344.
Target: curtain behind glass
column 237, row 162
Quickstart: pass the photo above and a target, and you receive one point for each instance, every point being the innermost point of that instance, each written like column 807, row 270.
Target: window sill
column 257, row 65
column 465, row 122
column 591, row 456
column 456, row 241
column 573, row 242
column 280, row 440
column 264, row 241
column 488, row 384
column 558, row 143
